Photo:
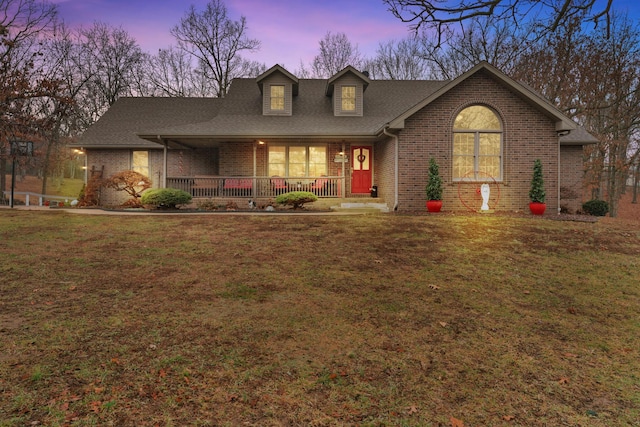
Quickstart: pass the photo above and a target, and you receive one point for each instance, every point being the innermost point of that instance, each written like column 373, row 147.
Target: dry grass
column 318, row 321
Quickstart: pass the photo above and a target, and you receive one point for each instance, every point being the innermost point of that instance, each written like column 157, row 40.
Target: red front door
column 361, row 163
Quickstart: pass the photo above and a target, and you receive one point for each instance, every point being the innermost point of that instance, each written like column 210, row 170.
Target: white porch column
column 344, row 178
column 255, row 169
column 164, row 163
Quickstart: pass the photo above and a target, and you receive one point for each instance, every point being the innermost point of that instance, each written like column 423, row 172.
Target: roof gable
column 348, row 69
column 563, row 123
column 278, row 69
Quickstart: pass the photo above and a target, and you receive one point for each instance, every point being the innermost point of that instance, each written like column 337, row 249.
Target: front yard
column 385, row 320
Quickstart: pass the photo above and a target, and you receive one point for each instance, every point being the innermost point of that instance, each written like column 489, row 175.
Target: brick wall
column 527, row 135
column 238, row 159
column 384, row 178
column 571, row 178
column 201, row 161
column 113, row 161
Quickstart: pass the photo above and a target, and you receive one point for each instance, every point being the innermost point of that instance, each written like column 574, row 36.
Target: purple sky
column 289, row 30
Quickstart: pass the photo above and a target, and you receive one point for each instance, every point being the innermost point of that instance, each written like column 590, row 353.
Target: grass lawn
column 383, row 320
column 67, row 187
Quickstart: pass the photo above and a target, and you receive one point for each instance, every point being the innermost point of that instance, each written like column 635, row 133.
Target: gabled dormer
column 347, row 91
column 278, row 87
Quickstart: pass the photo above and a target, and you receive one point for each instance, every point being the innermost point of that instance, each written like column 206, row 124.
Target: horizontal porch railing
column 266, row 187
column 28, row 198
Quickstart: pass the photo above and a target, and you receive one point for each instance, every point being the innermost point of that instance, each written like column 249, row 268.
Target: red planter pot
column 537, row 208
column 434, row 205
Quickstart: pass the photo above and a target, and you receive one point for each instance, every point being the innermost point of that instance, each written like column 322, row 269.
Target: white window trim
column 355, row 99
column 284, row 99
column 476, row 156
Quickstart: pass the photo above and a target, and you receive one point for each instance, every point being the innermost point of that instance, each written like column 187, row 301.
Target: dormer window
column 277, row 97
column 277, row 87
column 347, row 90
column 348, row 99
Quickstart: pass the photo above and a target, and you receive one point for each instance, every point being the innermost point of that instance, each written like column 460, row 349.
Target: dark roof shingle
column 118, row 127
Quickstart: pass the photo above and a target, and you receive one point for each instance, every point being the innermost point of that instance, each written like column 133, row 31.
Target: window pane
column 477, row 117
column 277, row 97
column 489, row 166
column 489, row 144
column 361, row 159
column 277, row 161
column 348, row 98
column 463, row 143
column 140, row 162
column 463, row 166
column 317, row 161
column 477, row 144
column 297, row 161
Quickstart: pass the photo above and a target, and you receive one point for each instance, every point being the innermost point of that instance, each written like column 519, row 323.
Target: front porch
column 258, row 187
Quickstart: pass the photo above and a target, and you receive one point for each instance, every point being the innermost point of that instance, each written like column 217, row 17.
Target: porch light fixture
column 261, row 142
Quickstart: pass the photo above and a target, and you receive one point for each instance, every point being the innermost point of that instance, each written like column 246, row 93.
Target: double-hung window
column 140, row 162
column 477, row 145
column 348, row 98
column 277, row 97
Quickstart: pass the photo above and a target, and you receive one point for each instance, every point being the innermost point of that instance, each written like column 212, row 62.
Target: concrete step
column 361, row 207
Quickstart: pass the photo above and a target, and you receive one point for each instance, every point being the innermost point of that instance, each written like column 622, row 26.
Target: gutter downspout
column 559, row 174
column 396, row 163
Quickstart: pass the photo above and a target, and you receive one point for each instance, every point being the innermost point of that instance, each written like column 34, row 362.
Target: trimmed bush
column 165, row 198
column 434, row 183
column 296, row 198
column 595, row 207
column 537, row 193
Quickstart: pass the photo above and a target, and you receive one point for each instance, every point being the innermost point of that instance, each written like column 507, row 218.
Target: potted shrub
column 537, row 194
column 434, row 188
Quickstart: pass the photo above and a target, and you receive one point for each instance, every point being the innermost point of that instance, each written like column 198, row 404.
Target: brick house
column 348, row 136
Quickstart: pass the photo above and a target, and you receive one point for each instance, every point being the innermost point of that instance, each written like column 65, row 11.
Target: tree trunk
column 636, row 183
column 3, row 176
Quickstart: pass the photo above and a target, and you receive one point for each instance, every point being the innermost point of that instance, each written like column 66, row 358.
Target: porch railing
column 28, row 198
column 267, row 187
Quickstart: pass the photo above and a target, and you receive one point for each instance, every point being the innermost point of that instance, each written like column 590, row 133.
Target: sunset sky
column 289, row 30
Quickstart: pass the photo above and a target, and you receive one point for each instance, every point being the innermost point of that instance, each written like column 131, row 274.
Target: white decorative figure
column 485, row 190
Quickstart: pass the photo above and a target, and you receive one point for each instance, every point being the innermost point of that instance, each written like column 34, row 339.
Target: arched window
column 477, row 145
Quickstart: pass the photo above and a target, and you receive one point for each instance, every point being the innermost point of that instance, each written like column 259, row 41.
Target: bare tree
column 21, row 79
column 216, row 42
column 64, row 59
column 336, row 52
column 484, row 39
column 594, row 77
column 399, row 60
column 441, row 15
column 171, row 73
column 113, row 57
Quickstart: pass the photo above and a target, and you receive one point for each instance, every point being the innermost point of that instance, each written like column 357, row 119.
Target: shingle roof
column 578, row 136
column 117, row 128
column 241, row 115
